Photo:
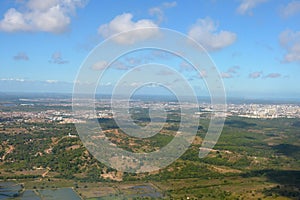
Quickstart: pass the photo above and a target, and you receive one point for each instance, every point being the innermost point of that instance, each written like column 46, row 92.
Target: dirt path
column 46, row 172
column 11, row 148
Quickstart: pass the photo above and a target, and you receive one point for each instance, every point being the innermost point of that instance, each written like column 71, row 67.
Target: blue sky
column 255, row 44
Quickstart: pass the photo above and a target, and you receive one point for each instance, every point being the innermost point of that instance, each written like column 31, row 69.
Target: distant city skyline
column 255, row 44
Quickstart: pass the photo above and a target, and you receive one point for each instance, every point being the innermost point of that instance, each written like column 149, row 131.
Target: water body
column 9, row 189
column 59, row 194
column 12, row 191
column 30, row 195
column 9, row 105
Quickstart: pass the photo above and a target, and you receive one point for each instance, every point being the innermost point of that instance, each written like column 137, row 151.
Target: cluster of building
column 47, row 116
column 264, row 110
column 104, row 111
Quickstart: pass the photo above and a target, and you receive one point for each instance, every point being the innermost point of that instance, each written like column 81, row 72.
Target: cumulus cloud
column 246, row 6
column 273, row 75
column 123, row 23
column 292, row 8
column 48, row 16
column 158, row 11
column 56, row 58
column 169, row 4
column 230, row 72
column 13, row 79
column 233, row 70
column 27, row 85
column 21, row 56
column 290, row 41
column 255, row 75
column 226, row 75
column 100, row 65
column 205, row 32
column 133, row 60
column 120, row 66
column 52, row 81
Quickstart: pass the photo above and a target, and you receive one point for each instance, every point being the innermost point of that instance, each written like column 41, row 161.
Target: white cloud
column 292, row 8
column 290, row 41
column 159, row 10
column 100, row 65
column 255, row 75
column 47, row 16
column 56, row 58
column 28, row 85
column 105, row 84
column 233, row 70
column 120, row 66
column 230, row 72
column 41, row 5
column 135, row 84
column 226, row 75
column 133, row 60
column 51, row 81
column 13, row 79
column 246, row 6
column 205, row 32
column 123, row 23
column 273, row 75
column 169, row 4
column 21, row 56
column 14, row 21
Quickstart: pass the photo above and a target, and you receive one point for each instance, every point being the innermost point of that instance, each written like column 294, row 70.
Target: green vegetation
column 253, row 159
